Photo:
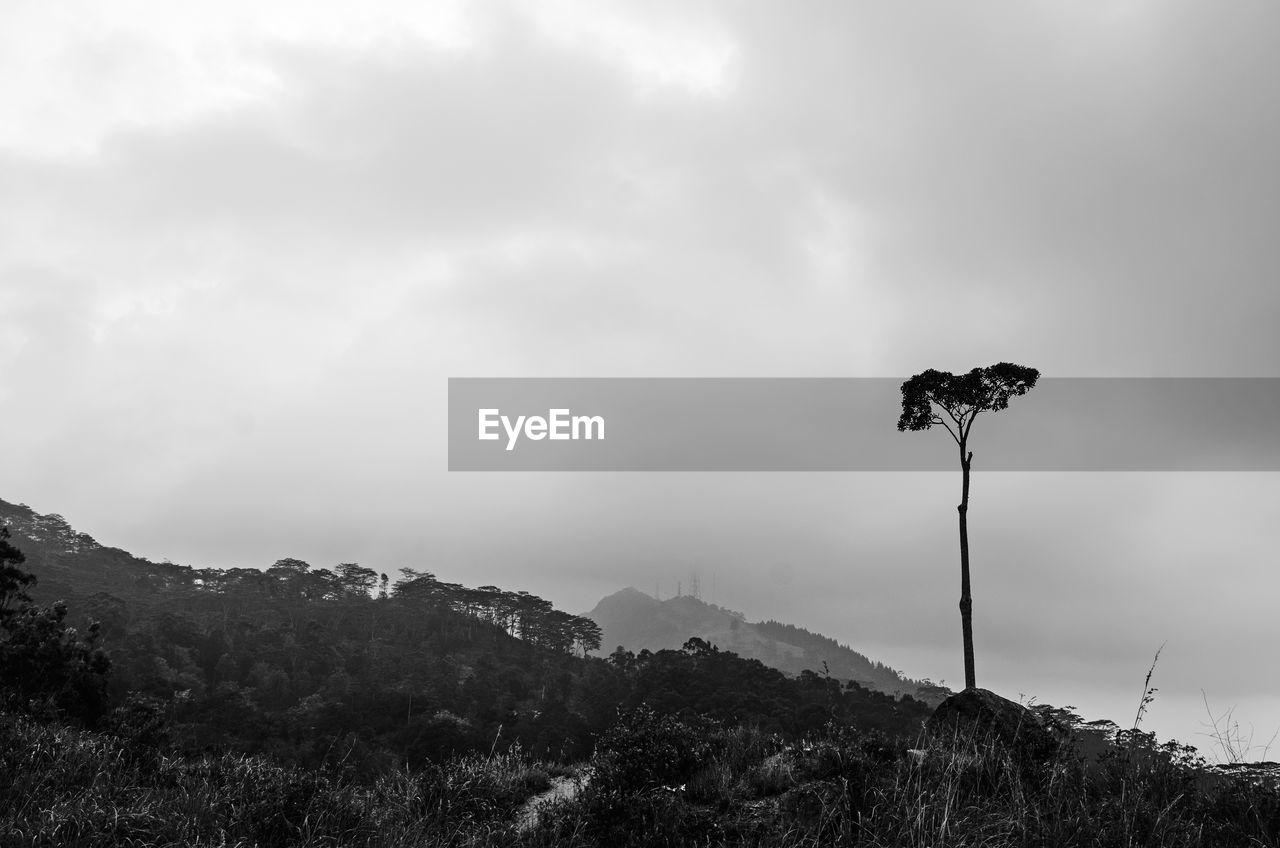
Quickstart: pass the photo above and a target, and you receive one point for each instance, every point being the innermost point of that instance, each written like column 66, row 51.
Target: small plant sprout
column 1148, row 691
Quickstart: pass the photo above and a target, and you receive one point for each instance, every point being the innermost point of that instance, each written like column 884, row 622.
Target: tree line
column 338, row 665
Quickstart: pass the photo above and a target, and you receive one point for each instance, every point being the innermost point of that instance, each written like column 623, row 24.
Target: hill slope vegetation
column 636, row 621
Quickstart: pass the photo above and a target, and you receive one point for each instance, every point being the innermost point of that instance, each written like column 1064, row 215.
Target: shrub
column 644, row 749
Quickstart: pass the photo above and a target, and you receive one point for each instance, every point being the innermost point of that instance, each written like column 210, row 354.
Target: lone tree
column 930, row 393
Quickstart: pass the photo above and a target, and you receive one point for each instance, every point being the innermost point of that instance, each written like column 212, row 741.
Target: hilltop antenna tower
column 695, row 587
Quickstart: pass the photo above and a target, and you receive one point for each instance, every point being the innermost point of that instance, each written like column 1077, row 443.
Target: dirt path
column 562, row 788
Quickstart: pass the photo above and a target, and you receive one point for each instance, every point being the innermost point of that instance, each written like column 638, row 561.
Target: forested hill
column 345, row 664
column 637, row 621
column 298, row 660
column 72, row 565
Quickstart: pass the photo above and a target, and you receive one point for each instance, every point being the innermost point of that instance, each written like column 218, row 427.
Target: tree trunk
column 966, row 599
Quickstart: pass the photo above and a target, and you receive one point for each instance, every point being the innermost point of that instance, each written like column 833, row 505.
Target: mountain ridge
column 301, row 662
column 74, row 563
column 636, row 621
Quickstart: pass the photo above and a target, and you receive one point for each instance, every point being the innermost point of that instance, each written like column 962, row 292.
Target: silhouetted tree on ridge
column 962, row 397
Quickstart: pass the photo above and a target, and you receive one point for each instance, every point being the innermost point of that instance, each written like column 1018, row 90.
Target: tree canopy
column 961, row 396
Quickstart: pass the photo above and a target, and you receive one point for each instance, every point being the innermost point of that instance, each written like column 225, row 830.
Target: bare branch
column 938, row 420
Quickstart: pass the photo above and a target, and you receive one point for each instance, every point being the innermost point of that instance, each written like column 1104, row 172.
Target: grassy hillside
column 301, row 707
column 654, row 780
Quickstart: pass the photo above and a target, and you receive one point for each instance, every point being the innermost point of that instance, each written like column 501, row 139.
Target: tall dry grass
column 656, row 781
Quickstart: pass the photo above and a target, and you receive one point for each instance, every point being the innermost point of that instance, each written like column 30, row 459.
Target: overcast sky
column 244, row 244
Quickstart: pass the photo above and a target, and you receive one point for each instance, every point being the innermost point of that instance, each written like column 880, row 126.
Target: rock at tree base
column 984, row 713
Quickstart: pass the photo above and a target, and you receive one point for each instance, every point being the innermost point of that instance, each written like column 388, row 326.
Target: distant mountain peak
column 629, row 592
column 636, row 621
